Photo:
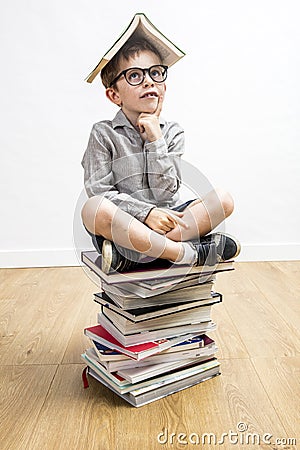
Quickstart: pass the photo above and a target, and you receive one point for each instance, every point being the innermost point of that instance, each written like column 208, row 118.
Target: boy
column 132, row 175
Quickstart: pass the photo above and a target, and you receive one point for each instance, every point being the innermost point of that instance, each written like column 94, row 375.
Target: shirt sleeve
column 163, row 163
column 99, row 179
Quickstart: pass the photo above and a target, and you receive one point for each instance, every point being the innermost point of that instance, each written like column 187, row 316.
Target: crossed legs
column 102, row 217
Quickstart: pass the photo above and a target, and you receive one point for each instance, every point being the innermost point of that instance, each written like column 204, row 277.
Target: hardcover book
column 141, row 27
column 154, row 335
column 160, row 387
column 178, row 319
column 129, row 363
column 145, row 313
column 137, row 374
column 141, row 397
column 159, row 268
column 107, row 354
column 122, row 385
column 156, row 286
column 100, row 334
column 177, row 294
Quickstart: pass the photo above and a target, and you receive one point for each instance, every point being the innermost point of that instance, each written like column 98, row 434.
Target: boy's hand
column 164, row 220
column 148, row 123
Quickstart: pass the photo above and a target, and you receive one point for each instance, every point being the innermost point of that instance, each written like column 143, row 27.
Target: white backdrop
column 236, row 93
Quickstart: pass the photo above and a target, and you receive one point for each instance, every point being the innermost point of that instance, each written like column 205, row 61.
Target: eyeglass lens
column 136, row 76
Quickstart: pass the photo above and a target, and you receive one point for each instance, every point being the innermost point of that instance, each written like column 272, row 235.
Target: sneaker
column 97, row 242
column 216, row 247
column 120, row 261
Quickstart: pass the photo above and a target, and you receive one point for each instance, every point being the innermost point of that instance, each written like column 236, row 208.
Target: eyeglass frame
column 146, row 70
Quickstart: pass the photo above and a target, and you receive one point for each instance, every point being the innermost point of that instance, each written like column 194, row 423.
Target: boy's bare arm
column 148, row 123
column 163, row 220
column 159, row 219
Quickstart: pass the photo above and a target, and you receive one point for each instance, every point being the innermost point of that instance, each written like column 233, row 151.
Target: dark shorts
column 98, row 240
column 184, row 205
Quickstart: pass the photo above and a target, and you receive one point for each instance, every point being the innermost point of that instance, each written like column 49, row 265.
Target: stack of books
column 151, row 338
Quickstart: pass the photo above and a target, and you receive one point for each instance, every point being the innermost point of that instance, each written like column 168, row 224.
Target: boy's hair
column 129, row 49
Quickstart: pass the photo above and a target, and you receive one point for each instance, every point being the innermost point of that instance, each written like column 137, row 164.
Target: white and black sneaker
column 211, row 249
column 118, row 258
column 216, row 247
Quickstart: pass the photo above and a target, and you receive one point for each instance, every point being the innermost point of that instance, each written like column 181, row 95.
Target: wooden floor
column 44, row 406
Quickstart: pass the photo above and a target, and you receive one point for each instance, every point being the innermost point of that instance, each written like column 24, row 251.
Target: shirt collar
column 120, row 120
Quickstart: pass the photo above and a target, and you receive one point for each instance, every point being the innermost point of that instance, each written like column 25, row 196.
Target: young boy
column 132, row 175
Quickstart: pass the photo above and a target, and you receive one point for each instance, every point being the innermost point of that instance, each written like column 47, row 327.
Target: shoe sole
column 106, row 256
column 238, row 245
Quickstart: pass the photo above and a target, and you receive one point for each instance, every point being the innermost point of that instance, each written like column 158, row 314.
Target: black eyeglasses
column 136, row 75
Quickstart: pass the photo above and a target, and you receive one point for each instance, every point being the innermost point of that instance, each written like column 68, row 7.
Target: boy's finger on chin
column 141, row 128
column 159, row 105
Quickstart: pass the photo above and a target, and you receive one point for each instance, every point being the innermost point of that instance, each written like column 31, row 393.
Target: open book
column 141, row 27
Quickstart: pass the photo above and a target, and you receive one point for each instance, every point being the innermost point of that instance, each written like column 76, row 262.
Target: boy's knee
column 96, row 213
column 226, row 201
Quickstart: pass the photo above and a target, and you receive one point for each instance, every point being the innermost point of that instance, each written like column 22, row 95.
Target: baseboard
column 270, row 252
column 69, row 257
column 58, row 257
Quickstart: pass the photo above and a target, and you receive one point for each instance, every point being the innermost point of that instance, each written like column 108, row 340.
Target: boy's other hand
column 164, row 220
column 148, row 123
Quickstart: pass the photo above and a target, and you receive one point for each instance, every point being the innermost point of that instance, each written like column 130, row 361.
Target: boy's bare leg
column 203, row 216
column 102, row 217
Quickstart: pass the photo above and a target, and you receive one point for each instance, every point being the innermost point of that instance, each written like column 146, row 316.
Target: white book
column 205, row 353
column 123, row 386
column 149, row 336
column 157, row 286
column 186, row 317
column 160, row 268
column 159, row 389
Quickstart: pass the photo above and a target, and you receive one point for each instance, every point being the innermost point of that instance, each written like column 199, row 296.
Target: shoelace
column 207, row 253
column 127, row 259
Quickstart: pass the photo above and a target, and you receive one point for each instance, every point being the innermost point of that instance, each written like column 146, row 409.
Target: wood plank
column 281, row 286
column 235, row 282
column 14, row 278
column 23, row 390
column 78, row 342
column 287, row 266
column 73, row 417
column 214, row 406
column 41, row 317
column 226, row 336
column 263, row 331
column 95, row 418
column 280, row 378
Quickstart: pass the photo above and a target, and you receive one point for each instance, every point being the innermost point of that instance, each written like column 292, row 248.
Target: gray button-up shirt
column 135, row 175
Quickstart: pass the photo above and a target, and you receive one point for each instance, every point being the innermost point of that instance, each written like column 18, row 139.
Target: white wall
column 236, row 93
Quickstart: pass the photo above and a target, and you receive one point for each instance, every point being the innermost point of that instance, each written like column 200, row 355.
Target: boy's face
column 142, row 98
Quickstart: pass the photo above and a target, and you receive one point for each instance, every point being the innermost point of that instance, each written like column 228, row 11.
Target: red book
column 139, row 351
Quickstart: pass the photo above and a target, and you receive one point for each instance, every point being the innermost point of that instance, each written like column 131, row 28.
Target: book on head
column 141, row 27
